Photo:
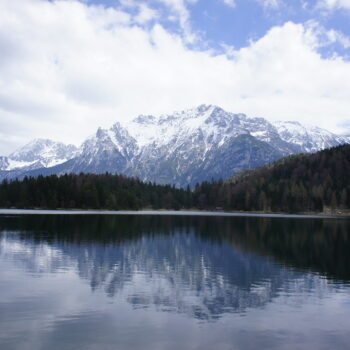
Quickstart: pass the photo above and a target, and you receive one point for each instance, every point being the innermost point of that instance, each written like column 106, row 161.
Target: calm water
column 173, row 282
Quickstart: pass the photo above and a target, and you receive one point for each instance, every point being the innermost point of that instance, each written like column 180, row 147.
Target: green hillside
column 308, row 182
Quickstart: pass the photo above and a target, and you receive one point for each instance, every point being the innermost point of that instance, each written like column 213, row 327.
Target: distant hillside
column 309, row 182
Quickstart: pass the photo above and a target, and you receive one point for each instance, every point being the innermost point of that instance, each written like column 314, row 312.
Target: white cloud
column 324, row 37
column 336, row 36
column 67, row 68
column 145, row 13
column 230, row 3
column 335, row 4
column 180, row 12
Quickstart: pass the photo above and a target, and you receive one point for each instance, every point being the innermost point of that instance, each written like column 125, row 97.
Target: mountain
column 47, row 152
column 186, row 147
column 308, row 138
column 37, row 154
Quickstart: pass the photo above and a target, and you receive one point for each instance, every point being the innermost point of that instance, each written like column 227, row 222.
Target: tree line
column 303, row 183
column 89, row 191
column 299, row 183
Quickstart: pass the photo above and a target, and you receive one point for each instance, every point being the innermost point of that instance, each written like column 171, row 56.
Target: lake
column 173, row 282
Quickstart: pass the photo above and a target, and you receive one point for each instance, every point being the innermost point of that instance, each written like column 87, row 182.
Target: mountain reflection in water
column 201, row 267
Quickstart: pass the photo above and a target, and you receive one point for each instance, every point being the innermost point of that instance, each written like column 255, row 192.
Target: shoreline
column 163, row 212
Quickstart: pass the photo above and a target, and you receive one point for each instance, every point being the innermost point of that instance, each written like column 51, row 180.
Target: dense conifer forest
column 303, row 183
column 90, row 191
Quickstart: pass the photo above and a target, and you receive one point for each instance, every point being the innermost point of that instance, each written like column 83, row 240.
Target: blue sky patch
column 216, row 24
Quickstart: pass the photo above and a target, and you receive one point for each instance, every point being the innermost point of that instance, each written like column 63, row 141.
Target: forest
column 90, row 191
column 316, row 182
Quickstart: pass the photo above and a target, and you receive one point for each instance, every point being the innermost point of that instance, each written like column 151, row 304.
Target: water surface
column 173, row 282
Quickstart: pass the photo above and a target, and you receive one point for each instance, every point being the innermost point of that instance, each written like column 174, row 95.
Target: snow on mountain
column 4, row 163
column 170, row 131
column 309, row 138
column 214, row 123
column 39, row 153
column 107, row 150
column 181, row 148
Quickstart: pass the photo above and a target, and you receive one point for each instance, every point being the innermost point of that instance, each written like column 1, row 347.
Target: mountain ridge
column 182, row 148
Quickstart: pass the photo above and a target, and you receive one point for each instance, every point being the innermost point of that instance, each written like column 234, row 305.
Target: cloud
column 335, row 4
column 325, row 37
column 144, row 13
column 336, row 36
column 179, row 12
column 67, row 68
column 230, row 3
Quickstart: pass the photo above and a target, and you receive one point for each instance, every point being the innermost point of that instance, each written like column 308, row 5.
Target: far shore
column 164, row 212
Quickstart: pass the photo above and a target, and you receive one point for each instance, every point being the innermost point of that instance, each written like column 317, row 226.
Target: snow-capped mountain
column 198, row 144
column 309, row 138
column 39, row 153
column 4, row 162
column 181, row 148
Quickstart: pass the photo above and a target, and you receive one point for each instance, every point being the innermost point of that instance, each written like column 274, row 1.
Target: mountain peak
column 41, row 152
column 198, row 112
column 181, row 148
column 148, row 119
column 101, row 132
column 203, row 108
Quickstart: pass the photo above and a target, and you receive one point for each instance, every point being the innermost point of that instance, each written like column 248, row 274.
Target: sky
column 68, row 66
